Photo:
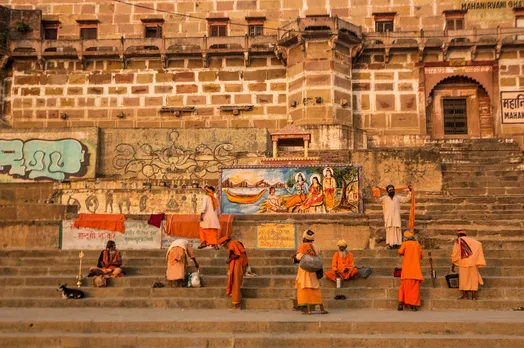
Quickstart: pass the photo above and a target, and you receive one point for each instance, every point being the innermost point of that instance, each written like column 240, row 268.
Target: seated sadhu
column 109, row 262
column 343, row 264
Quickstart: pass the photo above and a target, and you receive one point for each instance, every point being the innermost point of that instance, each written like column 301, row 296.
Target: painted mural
column 296, row 190
column 172, row 161
column 39, row 159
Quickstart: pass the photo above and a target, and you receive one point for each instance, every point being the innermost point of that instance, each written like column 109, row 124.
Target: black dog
column 70, row 293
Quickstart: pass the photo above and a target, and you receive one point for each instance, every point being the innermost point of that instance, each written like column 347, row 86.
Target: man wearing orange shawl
column 411, row 277
column 237, row 260
column 469, row 257
column 307, row 283
column 109, row 262
column 391, row 207
column 343, row 264
column 209, row 223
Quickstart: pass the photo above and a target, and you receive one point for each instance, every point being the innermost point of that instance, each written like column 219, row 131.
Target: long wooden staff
column 433, row 272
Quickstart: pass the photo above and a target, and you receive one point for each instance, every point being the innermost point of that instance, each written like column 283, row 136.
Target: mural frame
column 298, row 166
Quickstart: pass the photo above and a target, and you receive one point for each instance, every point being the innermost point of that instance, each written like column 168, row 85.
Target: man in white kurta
column 209, row 223
column 391, row 208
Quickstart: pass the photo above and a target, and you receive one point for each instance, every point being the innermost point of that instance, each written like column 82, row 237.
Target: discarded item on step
column 156, row 219
column 248, row 272
column 340, row 297
column 519, row 308
column 339, row 282
column 397, row 272
column 364, row 272
column 100, row 281
column 70, row 293
column 193, row 280
column 452, row 280
column 158, row 285
column 106, row 222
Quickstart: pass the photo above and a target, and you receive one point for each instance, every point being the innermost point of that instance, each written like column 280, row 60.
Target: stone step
column 260, row 270
column 438, row 260
column 247, row 340
column 268, row 293
column 287, row 281
column 252, row 303
column 33, row 212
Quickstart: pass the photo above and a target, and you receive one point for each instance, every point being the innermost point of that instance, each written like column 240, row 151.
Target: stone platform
column 116, row 328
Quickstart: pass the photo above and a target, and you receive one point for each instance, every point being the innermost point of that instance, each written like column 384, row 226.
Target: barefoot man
column 343, row 264
column 209, row 223
column 411, row 277
column 237, row 260
column 391, row 207
column 469, row 257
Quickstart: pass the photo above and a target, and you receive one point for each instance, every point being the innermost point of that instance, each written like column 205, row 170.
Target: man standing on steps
column 469, row 257
column 209, row 223
column 237, row 261
column 391, row 208
column 411, row 277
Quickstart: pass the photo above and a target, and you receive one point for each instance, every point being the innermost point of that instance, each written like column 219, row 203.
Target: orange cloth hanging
column 411, row 221
column 188, row 225
column 108, row 222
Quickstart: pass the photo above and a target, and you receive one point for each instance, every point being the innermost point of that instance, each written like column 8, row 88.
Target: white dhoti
column 393, row 236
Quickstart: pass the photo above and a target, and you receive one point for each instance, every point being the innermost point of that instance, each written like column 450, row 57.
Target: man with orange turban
column 343, row 264
column 237, row 260
column 411, row 277
column 209, row 223
column 469, row 257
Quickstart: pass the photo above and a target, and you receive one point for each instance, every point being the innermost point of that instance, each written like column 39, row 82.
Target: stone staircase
column 30, row 279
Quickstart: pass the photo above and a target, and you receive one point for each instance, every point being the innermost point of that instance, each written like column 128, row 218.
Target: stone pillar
column 275, row 148
column 306, row 148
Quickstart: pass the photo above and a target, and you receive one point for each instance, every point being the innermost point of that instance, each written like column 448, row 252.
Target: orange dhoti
column 209, row 236
column 308, row 288
column 409, row 292
column 351, row 273
column 469, row 278
column 237, row 268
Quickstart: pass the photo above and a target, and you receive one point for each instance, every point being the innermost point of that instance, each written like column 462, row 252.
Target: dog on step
column 70, row 293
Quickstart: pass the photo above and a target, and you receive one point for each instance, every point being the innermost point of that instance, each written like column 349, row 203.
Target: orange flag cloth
column 108, row 222
column 411, row 221
column 188, row 225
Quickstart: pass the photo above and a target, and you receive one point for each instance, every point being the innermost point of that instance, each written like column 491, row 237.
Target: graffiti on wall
column 38, row 159
column 296, row 189
column 132, row 202
column 172, row 161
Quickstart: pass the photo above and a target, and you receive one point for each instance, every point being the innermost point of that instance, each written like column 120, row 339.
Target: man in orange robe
column 411, row 277
column 469, row 257
column 109, row 262
column 343, row 264
column 209, row 222
column 237, row 260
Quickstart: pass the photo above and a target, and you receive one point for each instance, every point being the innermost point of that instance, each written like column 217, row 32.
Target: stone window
column 455, row 19
column 255, row 25
column 217, row 26
column 88, row 29
column 152, row 28
column 384, row 21
column 519, row 20
column 455, row 116
column 50, row 30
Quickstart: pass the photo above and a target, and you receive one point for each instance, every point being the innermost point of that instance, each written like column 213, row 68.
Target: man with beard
column 391, row 208
column 343, row 264
column 469, row 257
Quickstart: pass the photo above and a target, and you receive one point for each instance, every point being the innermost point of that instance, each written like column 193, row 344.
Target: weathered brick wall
column 106, row 95
column 385, row 95
column 116, row 19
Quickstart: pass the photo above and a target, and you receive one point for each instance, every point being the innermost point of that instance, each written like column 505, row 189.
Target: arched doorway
column 459, row 107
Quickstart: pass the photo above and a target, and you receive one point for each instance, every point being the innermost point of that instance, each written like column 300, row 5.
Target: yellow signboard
column 276, row 236
column 479, row 10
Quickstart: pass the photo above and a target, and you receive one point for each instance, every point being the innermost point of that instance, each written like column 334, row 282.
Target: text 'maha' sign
column 512, row 107
column 276, row 236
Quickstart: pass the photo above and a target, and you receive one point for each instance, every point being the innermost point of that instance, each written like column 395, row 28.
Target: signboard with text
column 512, row 107
column 276, row 236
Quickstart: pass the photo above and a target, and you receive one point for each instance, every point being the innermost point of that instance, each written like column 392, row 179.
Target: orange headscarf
column 211, row 195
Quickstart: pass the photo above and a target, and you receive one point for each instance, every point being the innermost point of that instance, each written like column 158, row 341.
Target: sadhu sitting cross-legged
column 109, row 262
column 343, row 264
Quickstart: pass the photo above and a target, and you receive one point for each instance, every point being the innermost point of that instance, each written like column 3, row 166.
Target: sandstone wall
column 116, row 19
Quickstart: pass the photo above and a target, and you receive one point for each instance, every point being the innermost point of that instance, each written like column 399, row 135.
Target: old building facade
column 385, row 73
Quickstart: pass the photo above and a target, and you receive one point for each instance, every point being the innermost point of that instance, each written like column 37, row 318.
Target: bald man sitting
column 343, row 264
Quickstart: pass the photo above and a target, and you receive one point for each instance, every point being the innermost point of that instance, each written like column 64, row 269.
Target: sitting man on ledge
column 109, row 262
column 343, row 264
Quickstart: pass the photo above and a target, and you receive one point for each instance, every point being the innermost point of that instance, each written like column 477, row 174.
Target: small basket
column 452, row 280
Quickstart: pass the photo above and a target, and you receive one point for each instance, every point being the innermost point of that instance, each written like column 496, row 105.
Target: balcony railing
column 318, row 24
column 142, row 46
